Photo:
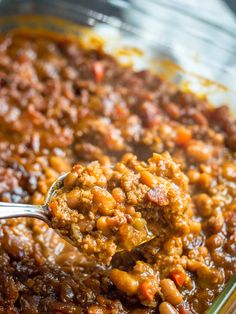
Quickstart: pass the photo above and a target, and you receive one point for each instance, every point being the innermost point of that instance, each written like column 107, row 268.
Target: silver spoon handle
column 12, row 210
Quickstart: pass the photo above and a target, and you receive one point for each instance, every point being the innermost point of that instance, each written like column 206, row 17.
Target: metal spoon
column 14, row 210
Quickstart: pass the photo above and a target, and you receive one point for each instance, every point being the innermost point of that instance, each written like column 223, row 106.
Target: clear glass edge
column 75, row 9
column 221, row 305
column 223, row 28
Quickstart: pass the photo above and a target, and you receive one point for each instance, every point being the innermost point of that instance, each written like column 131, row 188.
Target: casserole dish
column 195, row 69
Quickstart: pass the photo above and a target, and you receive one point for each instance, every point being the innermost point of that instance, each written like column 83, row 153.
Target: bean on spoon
column 107, row 209
column 104, row 209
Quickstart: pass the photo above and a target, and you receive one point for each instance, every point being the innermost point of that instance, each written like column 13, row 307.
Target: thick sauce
column 60, row 105
column 103, row 209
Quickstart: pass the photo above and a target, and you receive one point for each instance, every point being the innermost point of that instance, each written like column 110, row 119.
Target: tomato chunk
column 98, row 70
column 183, row 136
column 148, row 290
column 179, row 277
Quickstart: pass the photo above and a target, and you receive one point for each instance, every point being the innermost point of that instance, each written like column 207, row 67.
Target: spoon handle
column 12, row 210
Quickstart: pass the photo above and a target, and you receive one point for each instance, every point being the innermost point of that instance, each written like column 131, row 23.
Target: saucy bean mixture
column 103, row 209
column 60, row 105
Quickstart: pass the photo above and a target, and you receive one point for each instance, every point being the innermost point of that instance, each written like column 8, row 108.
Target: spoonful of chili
column 104, row 209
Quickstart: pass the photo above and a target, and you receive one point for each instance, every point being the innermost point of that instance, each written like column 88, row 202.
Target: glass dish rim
column 203, row 20
column 80, row 9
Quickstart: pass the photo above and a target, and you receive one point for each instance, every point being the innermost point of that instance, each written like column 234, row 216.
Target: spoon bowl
column 57, row 184
column 14, row 210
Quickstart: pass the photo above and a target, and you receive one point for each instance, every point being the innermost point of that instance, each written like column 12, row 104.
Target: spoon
column 14, row 210
column 103, row 211
column 42, row 212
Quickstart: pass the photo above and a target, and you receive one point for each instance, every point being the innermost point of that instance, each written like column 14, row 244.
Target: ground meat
column 105, row 209
column 62, row 104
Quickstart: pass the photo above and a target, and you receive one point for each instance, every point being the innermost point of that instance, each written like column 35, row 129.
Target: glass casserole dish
column 196, row 68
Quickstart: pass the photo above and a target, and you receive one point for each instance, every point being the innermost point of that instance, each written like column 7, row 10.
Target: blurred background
column 197, row 35
column 205, row 30
column 219, row 11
